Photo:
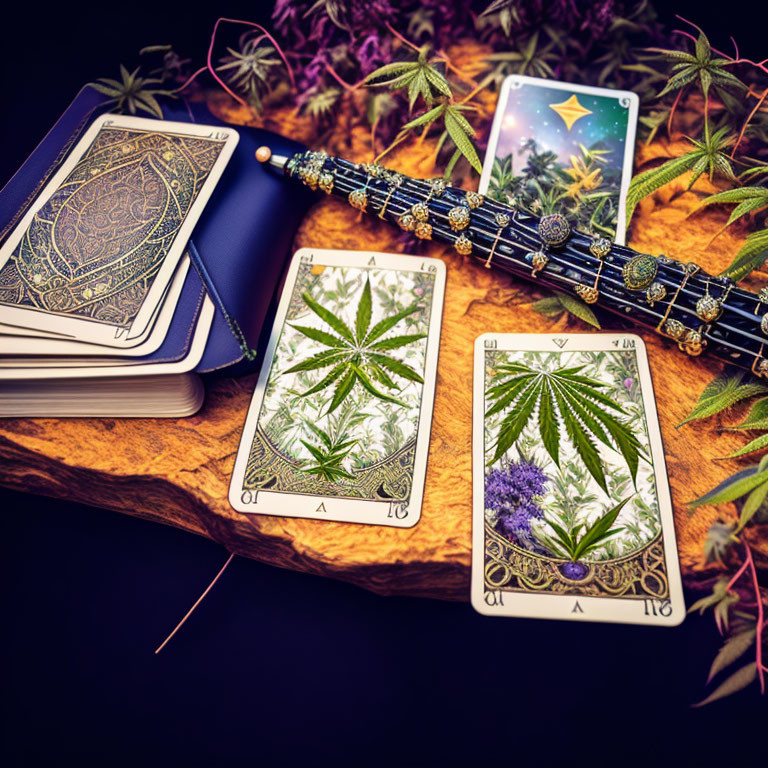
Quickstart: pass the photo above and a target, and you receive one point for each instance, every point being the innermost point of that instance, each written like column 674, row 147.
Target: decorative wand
column 679, row 301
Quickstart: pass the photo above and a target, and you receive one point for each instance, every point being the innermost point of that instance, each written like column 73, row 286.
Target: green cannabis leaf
column 732, row 488
column 724, row 392
column 752, row 482
column 576, row 545
column 462, row 133
column 751, row 255
column 248, row 69
column 528, row 59
column 757, row 418
column 747, row 200
column 566, row 399
column 709, row 155
column 132, row 93
column 420, row 77
column 552, row 306
column 328, row 455
column 754, row 505
column 753, row 445
column 698, row 65
column 357, row 356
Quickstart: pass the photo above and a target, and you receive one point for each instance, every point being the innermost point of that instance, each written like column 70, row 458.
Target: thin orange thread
column 197, row 602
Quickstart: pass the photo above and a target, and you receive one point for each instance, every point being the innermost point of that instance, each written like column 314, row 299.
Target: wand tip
column 263, row 154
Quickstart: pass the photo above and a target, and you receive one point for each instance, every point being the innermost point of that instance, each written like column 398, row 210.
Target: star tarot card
column 338, row 427
column 572, row 517
column 93, row 256
column 563, row 147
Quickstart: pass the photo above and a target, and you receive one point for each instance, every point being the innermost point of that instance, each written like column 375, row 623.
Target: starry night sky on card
column 528, row 115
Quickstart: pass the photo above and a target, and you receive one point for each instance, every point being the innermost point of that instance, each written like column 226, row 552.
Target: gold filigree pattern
column 303, row 279
column 640, row 574
column 96, row 245
column 386, row 480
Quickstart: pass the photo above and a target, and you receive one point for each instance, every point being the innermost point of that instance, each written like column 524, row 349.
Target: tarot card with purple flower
column 572, row 516
column 566, row 148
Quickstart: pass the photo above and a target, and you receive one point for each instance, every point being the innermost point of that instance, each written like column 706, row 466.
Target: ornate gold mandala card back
column 338, row 427
column 572, row 516
column 93, row 256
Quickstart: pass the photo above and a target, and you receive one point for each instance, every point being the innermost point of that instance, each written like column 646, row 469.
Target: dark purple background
column 279, row 666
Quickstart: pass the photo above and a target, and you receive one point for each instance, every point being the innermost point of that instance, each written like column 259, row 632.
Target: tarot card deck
column 94, row 273
column 572, row 517
column 92, row 258
column 338, row 428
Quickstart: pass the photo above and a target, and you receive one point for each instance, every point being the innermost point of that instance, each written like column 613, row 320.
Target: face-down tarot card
column 572, row 516
column 92, row 258
column 338, row 428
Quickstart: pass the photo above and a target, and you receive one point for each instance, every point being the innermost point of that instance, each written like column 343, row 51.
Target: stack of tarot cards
column 101, row 310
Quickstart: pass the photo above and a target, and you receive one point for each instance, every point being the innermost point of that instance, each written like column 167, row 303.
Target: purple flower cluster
column 511, row 492
column 349, row 37
column 335, row 44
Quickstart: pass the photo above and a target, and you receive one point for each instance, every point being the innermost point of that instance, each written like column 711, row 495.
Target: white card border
column 127, row 366
column 84, row 329
column 345, row 510
column 151, row 340
column 530, row 605
column 629, row 147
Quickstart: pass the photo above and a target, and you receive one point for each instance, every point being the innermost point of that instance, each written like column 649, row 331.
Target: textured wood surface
column 177, row 471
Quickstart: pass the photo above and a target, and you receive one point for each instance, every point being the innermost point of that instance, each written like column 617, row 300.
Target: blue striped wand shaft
column 697, row 311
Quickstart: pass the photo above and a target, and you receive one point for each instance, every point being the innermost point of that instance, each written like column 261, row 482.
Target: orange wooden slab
column 177, row 471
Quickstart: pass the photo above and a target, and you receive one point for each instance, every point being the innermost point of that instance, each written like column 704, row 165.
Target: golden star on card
column 571, row 111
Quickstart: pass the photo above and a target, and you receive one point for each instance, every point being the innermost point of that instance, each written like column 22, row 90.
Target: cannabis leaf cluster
column 731, row 145
column 249, row 68
column 359, row 355
column 738, row 601
column 585, row 191
column 342, row 49
column 328, row 455
column 132, row 93
column 325, row 52
column 582, row 539
column 421, row 79
column 561, row 399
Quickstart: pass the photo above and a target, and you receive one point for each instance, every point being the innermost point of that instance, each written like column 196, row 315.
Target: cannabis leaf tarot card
column 338, row 428
column 572, row 516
